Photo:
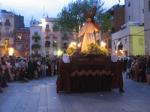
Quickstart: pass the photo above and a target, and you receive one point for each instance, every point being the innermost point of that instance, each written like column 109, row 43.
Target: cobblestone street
column 41, row 96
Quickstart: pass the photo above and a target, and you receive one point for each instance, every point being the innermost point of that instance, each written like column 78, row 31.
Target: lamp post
column 6, row 43
column 103, row 44
column 10, row 51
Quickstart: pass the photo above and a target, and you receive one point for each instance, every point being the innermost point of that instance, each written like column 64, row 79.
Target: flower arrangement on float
column 93, row 49
column 72, row 48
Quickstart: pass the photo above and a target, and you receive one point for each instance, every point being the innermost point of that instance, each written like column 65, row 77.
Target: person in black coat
column 1, row 78
column 128, row 67
column 30, row 69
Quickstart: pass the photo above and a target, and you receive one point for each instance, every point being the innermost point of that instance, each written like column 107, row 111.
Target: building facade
column 129, row 41
column 117, row 19
column 22, row 42
column 117, row 14
column 6, row 31
column 35, row 44
column 49, row 42
column 147, row 26
column 9, row 22
column 19, row 21
column 134, row 11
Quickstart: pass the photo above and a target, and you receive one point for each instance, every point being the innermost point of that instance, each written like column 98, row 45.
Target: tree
column 105, row 22
column 71, row 18
column 56, row 27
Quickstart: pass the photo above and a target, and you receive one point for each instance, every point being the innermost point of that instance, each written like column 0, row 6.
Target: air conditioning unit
column 132, row 23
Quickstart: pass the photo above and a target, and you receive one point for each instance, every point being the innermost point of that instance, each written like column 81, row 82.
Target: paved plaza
column 40, row 96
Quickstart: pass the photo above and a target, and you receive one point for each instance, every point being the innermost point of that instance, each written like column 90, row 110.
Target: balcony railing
column 36, row 46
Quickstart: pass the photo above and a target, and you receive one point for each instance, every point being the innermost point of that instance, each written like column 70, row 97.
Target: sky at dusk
column 38, row 8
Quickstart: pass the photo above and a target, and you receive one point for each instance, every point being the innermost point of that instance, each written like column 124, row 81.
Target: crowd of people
column 25, row 69
column 138, row 68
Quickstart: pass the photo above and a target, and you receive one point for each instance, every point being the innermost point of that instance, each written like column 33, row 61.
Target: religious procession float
column 89, row 67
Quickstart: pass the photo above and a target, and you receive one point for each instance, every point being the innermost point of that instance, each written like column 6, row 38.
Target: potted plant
column 36, row 37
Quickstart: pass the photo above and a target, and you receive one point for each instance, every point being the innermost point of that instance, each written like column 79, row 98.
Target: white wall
column 34, row 29
column 134, row 12
column 51, row 34
column 123, row 37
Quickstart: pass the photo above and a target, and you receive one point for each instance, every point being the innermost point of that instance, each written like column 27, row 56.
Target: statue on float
column 88, row 45
column 88, row 30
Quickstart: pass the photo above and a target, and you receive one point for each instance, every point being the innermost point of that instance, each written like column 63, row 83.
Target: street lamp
column 6, row 43
column 59, row 52
column 103, row 44
column 10, row 51
column 73, row 44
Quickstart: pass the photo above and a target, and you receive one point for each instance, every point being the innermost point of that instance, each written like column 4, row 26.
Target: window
column 113, row 29
column 54, row 43
column 112, row 18
column 7, row 31
column 47, row 37
column 27, row 46
column 65, row 45
column 120, row 46
column 129, row 17
column 65, row 38
column 47, row 44
column 0, row 21
column 149, row 5
column 47, row 29
column 54, row 37
column 47, row 26
column 7, row 22
column 36, row 33
column 129, row 4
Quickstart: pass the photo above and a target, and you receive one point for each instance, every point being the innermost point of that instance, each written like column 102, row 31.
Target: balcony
column 36, row 46
column 47, row 43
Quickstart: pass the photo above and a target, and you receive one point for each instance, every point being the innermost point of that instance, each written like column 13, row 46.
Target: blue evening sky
column 36, row 8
